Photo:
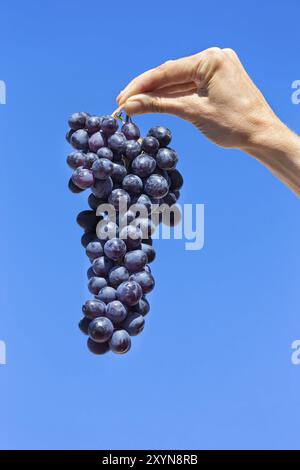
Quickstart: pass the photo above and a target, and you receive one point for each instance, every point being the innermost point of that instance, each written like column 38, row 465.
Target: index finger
column 170, row 73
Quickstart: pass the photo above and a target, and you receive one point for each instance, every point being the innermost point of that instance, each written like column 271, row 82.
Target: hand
column 213, row 91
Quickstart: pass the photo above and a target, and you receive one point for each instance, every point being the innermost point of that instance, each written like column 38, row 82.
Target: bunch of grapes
column 130, row 175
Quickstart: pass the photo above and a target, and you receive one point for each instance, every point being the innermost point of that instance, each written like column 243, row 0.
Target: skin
column 213, row 91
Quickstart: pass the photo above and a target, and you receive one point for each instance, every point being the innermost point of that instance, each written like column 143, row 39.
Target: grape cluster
column 131, row 175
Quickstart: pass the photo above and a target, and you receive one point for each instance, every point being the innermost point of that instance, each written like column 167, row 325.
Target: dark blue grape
column 101, row 329
column 94, row 201
column 143, row 165
column 102, row 188
column 132, row 149
column 88, row 237
column 156, row 186
column 150, row 145
column 117, row 275
column 142, row 307
column 94, row 308
column 77, row 121
column 83, row 178
column 118, row 198
column 135, row 260
column 69, row 135
column 146, row 226
column 134, row 323
column 102, row 266
column 166, row 159
column 84, row 325
column 176, row 180
column 107, row 230
column 94, row 250
column 162, row 134
column 90, row 158
column 109, row 125
column 80, row 139
column 132, row 184
column 132, row 236
column 144, row 279
column 119, row 172
column 97, row 348
column 93, row 124
column 120, row 342
column 102, row 168
column 76, row 159
column 117, row 142
column 107, row 294
column 131, row 131
column 169, row 199
column 143, row 200
column 149, row 251
column 116, row 312
column 115, row 248
column 95, row 284
column 105, row 152
column 129, row 293
column 73, row 188
column 96, row 141
column 87, row 220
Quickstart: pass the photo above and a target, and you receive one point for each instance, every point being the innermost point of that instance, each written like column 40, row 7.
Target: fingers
column 179, row 88
column 167, row 74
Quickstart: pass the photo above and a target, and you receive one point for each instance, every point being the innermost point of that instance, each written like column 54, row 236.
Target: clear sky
column 212, row 368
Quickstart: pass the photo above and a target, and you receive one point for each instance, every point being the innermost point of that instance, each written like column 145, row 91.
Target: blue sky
column 212, row 369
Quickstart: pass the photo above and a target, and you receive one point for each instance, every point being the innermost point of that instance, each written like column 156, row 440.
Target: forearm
column 278, row 148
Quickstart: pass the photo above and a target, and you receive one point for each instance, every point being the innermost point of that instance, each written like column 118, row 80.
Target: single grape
column 87, row 220
column 95, row 284
column 102, row 266
column 129, row 293
column 73, row 188
column 149, row 251
column 93, row 124
column 119, row 198
column 83, row 178
column 162, row 134
column 143, row 165
column 94, row 201
column 150, row 145
column 109, row 125
column 88, row 237
column 142, row 307
column 101, row 329
column 97, row 348
column 120, row 342
column 80, row 139
column 117, row 275
column 90, row 158
column 145, row 280
column 169, row 199
column 102, row 188
column 119, row 172
column 76, row 159
column 95, row 142
column 132, row 236
column 115, row 248
column 131, row 131
column 116, row 311
column 105, row 152
column 132, row 149
column 132, row 184
column 94, row 308
column 117, row 142
column 84, row 325
column 107, row 230
column 156, row 186
column 90, row 272
column 107, row 294
column 142, row 200
column 135, row 260
column 166, row 159
column 94, row 250
column 69, row 135
column 176, row 180
column 102, row 168
column 77, row 121
column 134, row 323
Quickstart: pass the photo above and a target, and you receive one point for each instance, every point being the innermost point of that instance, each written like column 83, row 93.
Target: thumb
column 153, row 103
